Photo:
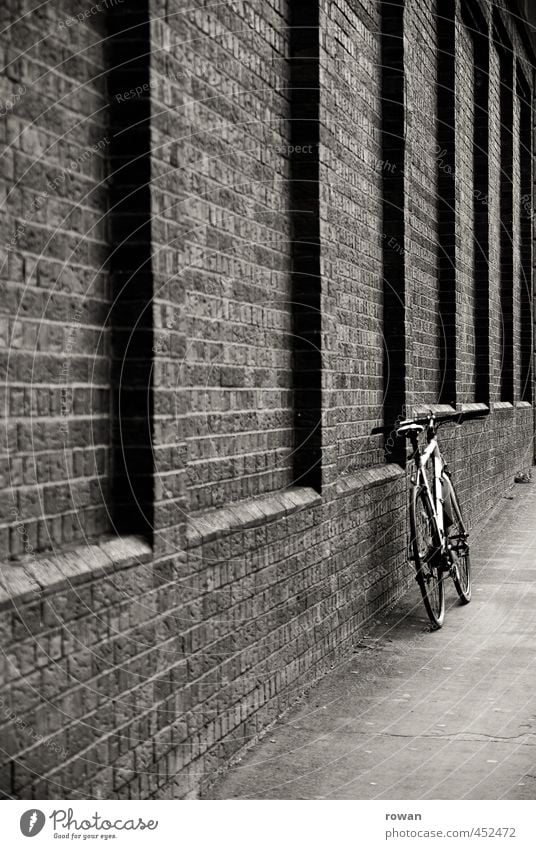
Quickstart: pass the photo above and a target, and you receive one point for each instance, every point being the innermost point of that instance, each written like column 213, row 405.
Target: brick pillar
column 506, row 215
column 481, row 212
column 526, row 218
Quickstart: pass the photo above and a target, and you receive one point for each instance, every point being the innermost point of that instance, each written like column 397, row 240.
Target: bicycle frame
column 435, row 492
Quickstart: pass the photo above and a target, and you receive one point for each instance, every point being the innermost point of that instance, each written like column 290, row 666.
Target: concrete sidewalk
column 420, row 715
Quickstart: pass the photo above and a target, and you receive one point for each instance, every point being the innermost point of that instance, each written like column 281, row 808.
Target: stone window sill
column 46, row 573
column 474, row 408
column 367, row 478
column 207, row 526
column 437, row 409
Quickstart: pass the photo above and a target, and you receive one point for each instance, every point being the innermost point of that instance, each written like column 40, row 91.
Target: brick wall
column 351, row 176
column 55, row 360
column 421, row 186
column 231, row 190
column 465, row 98
column 525, row 236
column 516, row 241
column 138, row 666
column 495, row 225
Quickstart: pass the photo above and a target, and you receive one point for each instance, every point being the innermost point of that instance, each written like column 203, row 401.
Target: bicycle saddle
column 408, row 428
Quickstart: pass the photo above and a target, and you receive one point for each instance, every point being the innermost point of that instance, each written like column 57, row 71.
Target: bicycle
column 439, row 538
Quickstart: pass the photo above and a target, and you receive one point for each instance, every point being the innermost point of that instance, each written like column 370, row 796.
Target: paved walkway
column 420, row 715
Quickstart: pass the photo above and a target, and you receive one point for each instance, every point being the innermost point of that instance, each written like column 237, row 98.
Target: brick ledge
column 367, row 478
column 438, row 410
column 35, row 576
column 474, row 407
column 209, row 525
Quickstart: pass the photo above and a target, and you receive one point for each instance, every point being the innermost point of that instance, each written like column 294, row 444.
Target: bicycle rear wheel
column 457, row 539
column 427, row 554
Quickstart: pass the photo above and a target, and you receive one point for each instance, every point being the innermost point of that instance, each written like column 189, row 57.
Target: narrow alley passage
column 420, row 715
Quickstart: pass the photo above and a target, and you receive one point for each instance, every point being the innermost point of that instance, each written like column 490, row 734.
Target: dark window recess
column 131, row 270
column 393, row 151
column 306, row 289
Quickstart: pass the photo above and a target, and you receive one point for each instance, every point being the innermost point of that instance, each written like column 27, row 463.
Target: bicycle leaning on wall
column 439, row 539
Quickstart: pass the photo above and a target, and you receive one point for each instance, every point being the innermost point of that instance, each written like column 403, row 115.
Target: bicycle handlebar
column 463, row 415
column 439, row 420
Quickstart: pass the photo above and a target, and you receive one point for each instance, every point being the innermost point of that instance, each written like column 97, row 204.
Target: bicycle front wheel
column 427, row 554
column 457, row 539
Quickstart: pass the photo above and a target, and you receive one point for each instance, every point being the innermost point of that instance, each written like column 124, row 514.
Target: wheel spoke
column 426, row 552
column 457, row 538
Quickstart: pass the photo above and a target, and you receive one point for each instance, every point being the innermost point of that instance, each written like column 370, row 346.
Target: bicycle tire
column 457, row 539
column 426, row 554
